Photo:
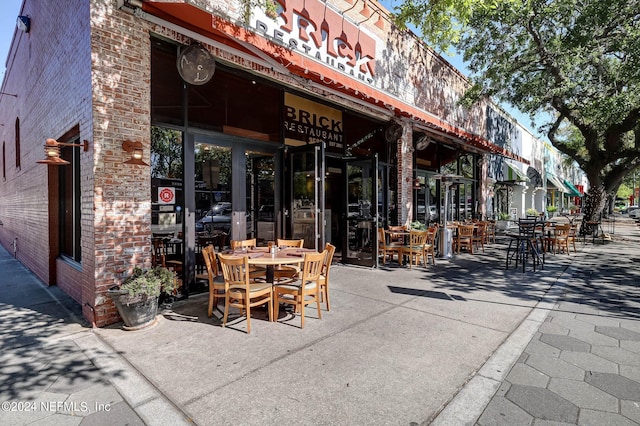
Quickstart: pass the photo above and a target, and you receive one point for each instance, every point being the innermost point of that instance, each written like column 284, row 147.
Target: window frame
column 17, row 143
column 70, row 202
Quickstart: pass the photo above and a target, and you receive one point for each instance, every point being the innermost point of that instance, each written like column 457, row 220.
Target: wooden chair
column 290, row 243
column 464, row 238
column 561, row 238
column 430, row 246
column 387, row 249
column 213, row 277
column 288, row 272
column 573, row 234
column 160, row 256
column 255, row 272
column 396, row 239
column 329, row 250
column 239, row 292
column 306, row 290
column 417, row 247
column 490, row 234
column 479, row 236
column 239, row 244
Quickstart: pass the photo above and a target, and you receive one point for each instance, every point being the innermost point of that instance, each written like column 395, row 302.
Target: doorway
column 360, row 221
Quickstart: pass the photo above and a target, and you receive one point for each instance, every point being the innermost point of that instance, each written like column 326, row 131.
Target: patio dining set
column 247, row 276
column 412, row 246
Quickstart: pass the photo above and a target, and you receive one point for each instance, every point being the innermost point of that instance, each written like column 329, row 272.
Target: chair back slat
column 312, row 267
column 290, row 243
column 235, row 270
column 209, row 255
column 236, row 244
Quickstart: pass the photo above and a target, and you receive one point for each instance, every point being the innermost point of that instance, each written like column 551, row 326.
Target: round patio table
column 260, row 256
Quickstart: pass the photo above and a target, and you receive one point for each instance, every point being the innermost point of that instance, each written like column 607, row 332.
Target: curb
column 145, row 399
column 471, row 400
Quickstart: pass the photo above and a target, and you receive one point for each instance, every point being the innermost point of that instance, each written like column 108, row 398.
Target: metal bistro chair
column 526, row 244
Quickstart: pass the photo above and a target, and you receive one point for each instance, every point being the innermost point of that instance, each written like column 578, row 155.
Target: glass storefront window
column 213, row 188
column 166, row 181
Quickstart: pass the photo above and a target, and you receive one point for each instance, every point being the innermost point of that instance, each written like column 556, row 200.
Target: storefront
column 317, row 122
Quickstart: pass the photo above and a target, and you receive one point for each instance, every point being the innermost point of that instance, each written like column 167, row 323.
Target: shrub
column 149, row 282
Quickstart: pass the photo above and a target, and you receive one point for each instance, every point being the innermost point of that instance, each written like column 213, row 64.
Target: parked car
column 266, row 213
column 217, row 218
column 634, row 212
column 433, row 213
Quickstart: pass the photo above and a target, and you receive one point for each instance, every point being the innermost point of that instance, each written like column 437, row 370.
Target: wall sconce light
column 380, row 22
column 366, row 12
column 135, row 148
column 23, row 23
column 52, row 152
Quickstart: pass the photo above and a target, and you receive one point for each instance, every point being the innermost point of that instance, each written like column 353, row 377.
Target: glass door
column 360, row 241
column 307, row 218
column 261, row 199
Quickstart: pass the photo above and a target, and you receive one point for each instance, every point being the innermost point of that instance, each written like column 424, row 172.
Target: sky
column 10, row 9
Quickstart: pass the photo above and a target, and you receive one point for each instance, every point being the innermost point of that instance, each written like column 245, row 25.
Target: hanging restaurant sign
column 313, row 29
column 311, row 122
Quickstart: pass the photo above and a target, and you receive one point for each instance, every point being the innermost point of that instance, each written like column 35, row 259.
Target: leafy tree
column 578, row 59
column 166, row 153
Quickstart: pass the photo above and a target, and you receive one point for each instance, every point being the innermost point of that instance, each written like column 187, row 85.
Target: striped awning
column 573, row 191
column 515, row 175
column 556, row 183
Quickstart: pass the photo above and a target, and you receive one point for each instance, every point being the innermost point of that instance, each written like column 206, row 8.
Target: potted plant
column 418, row 226
column 137, row 297
column 551, row 210
column 532, row 212
column 503, row 221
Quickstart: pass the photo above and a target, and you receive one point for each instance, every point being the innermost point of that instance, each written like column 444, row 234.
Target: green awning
column 514, row 174
column 573, row 191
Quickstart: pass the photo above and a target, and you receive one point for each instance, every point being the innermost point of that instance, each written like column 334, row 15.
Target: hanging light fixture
column 52, row 152
column 135, row 148
column 366, row 12
column 380, row 22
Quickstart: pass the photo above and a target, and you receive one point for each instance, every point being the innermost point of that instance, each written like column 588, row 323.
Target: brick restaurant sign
column 311, row 122
column 166, row 195
column 315, row 30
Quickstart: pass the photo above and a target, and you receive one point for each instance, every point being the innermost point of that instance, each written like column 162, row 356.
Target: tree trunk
column 595, row 201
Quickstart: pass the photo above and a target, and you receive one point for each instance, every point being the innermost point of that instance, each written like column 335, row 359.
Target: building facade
column 316, row 119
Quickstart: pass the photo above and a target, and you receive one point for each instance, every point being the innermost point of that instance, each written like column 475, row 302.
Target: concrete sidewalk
column 54, row 370
column 461, row 342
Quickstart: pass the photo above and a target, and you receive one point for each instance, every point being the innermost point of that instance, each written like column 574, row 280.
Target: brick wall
column 405, row 175
column 93, row 74
column 49, row 71
column 122, row 200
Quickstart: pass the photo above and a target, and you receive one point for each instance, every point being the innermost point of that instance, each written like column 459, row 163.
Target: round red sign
column 166, row 195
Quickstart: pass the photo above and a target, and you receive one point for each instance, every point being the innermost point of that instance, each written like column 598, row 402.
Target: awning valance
column 555, row 182
column 573, row 191
column 249, row 44
column 515, row 175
